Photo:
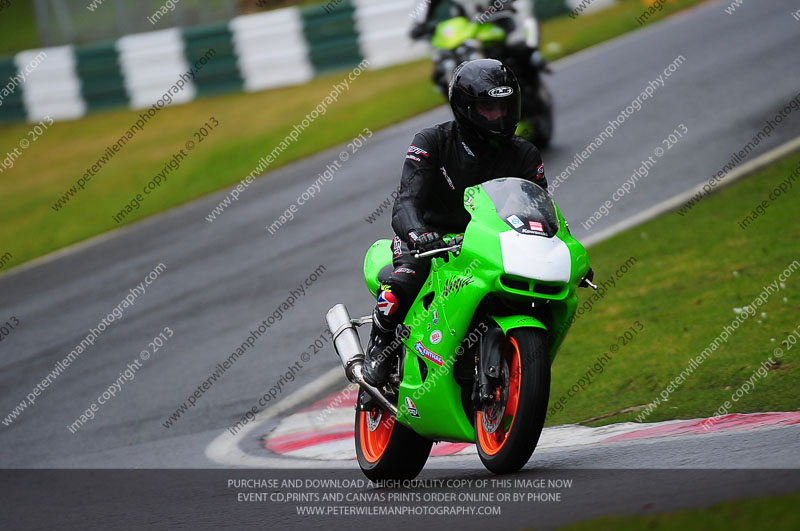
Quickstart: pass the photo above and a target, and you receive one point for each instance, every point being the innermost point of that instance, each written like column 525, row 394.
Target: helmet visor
column 496, row 115
column 491, row 110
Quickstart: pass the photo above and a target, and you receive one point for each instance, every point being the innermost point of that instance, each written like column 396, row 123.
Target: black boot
column 381, row 349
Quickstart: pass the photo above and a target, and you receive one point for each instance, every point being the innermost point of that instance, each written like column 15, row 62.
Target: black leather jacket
column 441, row 163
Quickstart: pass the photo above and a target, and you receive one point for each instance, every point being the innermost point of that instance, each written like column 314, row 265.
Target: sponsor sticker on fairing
column 428, row 354
column 436, row 337
column 515, row 221
column 412, row 157
column 412, row 408
column 535, row 225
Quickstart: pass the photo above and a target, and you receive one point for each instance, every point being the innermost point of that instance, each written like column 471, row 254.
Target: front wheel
column 387, row 449
column 507, row 431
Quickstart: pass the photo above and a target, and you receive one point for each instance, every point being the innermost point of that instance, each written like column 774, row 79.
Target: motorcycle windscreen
column 523, row 205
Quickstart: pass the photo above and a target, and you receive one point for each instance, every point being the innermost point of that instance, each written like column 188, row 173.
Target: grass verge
column 691, row 275
column 778, row 513
column 251, row 125
column 18, row 27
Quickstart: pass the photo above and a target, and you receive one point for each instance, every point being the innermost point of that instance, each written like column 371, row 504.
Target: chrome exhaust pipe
column 345, row 339
column 348, row 347
column 373, row 391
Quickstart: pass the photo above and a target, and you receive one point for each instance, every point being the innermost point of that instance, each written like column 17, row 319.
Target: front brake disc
column 493, row 415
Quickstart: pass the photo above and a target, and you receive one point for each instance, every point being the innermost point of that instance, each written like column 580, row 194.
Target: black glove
column 427, row 241
column 419, row 30
column 538, row 62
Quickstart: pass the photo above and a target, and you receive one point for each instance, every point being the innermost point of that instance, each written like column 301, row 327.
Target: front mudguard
column 510, row 322
column 507, row 323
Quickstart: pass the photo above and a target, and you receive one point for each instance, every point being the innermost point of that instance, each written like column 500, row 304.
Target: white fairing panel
column 535, row 257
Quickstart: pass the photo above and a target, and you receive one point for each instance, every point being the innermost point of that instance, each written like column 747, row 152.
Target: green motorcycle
column 478, row 340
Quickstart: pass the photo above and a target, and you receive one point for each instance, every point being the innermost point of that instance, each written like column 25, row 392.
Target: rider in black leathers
column 440, row 164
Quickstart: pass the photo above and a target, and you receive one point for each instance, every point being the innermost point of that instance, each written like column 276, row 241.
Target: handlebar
column 426, row 254
column 456, row 242
column 423, row 30
column 586, row 282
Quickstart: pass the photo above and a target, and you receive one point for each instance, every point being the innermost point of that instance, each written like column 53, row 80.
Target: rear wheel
column 543, row 122
column 507, row 431
column 387, row 449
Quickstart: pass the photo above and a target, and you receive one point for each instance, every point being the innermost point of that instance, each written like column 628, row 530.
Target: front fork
column 490, row 355
column 489, row 360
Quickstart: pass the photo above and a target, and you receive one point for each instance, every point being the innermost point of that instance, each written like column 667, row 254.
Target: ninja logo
column 454, row 284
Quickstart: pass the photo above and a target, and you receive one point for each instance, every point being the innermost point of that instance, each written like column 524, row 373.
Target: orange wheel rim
column 374, row 441
column 493, row 442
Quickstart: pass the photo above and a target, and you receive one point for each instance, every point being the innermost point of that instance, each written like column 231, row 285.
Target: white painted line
column 71, row 249
column 674, row 202
column 225, row 448
column 212, row 198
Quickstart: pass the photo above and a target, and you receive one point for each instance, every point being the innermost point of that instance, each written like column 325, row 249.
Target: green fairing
column 459, row 286
column 490, row 34
column 378, row 256
column 451, row 33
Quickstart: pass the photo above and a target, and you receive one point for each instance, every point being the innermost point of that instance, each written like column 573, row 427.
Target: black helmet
column 485, row 98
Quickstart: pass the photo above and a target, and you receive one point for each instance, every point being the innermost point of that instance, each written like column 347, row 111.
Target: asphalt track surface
column 224, row 278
